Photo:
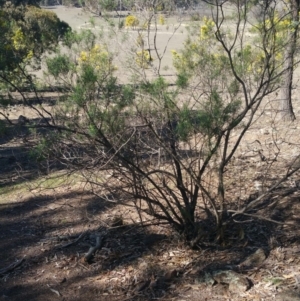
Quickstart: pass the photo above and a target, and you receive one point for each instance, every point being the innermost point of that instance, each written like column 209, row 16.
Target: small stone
column 117, row 221
column 22, row 120
column 221, row 289
column 255, row 259
column 237, row 283
column 208, row 279
column 265, row 131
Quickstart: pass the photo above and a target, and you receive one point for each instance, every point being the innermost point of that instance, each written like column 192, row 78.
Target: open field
column 168, row 37
column 48, row 222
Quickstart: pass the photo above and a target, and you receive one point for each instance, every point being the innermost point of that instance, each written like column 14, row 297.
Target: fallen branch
column 88, row 256
column 259, row 199
column 257, row 216
column 12, row 266
column 58, row 238
column 74, row 241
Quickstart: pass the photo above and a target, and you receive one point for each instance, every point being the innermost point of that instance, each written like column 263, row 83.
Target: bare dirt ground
column 47, row 227
column 168, row 37
column 46, row 231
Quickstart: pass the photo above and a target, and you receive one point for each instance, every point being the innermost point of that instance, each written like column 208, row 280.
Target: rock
column 206, row 279
column 22, row 120
column 117, row 221
column 289, row 295
column 221, row 290
column 255, row 259
column 237, row 283
column 264, row 131
column 227, row 279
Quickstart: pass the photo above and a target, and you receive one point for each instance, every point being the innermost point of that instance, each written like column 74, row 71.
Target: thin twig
column 258, row 217
column 12, row 266
column 92, row 250
column 74, row 241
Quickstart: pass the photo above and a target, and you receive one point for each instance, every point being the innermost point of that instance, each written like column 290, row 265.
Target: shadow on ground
column 37, row 228
column 133, row 262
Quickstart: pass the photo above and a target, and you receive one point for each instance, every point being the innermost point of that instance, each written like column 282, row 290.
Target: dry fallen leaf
column 54, row 291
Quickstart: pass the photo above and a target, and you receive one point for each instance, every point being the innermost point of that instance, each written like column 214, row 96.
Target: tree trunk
column 287, row 112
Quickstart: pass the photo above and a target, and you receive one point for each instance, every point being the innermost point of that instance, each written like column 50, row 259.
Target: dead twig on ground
column 88, row 256
column 54, row 291
column 74, row 241
column 12, row 266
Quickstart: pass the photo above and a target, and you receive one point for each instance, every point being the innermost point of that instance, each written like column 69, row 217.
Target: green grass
column 55, row 180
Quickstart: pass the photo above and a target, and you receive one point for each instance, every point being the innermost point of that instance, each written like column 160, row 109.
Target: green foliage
column 143, row 59
column 155, row 88
column 195, row 17
column 210, row 120
column 128, row 95
column 79, row 96
column 186, row 123
column 131, row 21
column 161, row 20
column 216, row 114
column 34, row 29
column 92, row 21
column 27, row 32
column 148, row 136
column 49, row 29
column 109, row 5
column 21, row 2
column 215, row 111
column 59, row 65
column 40, row 152
column 121, row 24
column 88, row 76
column 94, row 91
column 182, row 80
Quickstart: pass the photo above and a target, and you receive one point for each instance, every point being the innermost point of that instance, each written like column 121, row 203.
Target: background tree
column 283, row 16
column 21, row 2
column 28, row 32
column 289, row 55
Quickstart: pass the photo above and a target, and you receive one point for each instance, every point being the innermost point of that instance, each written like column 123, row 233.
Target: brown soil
column 36, row 225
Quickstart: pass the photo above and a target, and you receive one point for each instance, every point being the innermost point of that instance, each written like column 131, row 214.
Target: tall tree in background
column 289, row 57
column 27, row 32
column 21, row 2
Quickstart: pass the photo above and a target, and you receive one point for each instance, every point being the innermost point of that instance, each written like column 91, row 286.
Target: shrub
column 143, row 59
column 131, row 21
column 161, row 20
